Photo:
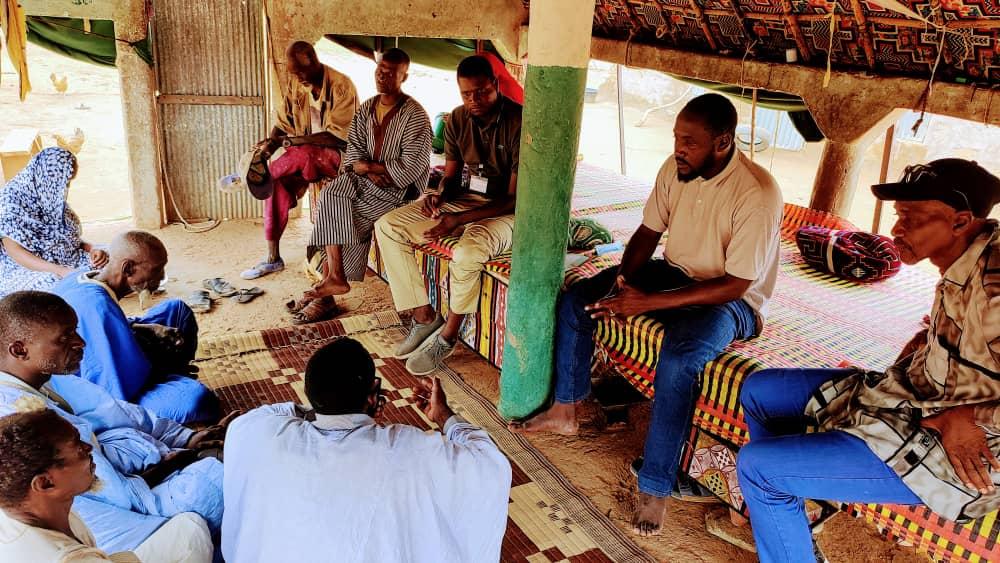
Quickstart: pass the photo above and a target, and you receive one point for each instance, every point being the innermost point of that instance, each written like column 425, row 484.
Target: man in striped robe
column 387, row 159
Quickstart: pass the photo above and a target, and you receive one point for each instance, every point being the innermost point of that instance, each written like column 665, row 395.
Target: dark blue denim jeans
column 693, row 337
column 781, row 466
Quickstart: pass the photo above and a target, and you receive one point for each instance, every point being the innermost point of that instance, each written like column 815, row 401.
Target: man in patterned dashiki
column 925, row 431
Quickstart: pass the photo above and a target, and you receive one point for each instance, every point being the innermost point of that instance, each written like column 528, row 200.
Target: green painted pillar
column 558, row 55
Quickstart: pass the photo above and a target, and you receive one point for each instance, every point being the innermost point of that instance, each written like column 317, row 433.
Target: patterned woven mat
column 549, row 520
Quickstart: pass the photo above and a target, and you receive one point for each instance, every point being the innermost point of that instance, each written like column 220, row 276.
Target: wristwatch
column 349, row 167
column 286, row 142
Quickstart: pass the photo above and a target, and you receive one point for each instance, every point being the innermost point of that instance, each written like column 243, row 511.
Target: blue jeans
column 781, row 466
column 693, row 336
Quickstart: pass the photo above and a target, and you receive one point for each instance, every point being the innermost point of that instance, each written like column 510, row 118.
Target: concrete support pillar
column 558, row 54
column 837, row 177
column 850, row 124
column 138, row 87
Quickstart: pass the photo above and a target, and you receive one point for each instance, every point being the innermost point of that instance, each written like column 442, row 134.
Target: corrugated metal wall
column 210, row 73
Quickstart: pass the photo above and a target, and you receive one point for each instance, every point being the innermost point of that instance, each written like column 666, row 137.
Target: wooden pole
column 890, row 136
column 837, row 177
column 623, row 161
column 753, row 126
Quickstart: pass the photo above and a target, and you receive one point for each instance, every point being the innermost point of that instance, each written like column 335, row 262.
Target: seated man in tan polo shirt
column 722, row 213
column 483, row 134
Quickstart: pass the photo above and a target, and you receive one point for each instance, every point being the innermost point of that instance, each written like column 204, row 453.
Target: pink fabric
column 292, row 173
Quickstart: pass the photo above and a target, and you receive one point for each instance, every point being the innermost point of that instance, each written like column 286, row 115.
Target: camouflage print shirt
column 958, row 365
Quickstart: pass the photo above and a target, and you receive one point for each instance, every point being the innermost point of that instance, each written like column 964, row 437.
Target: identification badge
column 478, row 184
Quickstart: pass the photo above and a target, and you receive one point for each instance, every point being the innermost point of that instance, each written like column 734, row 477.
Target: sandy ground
column 596, row 461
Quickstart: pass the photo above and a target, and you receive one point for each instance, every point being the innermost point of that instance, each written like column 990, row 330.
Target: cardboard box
column 16, row 151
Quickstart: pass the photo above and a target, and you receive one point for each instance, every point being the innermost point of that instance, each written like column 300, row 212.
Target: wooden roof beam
column 667, row 22
column 632, row 18
column 792, row 23
column 735, row 5
column 864, row 33
column 703, row 21
column 838, row 109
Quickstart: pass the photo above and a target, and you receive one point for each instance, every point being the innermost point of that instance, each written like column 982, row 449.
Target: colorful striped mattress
column 815, row 320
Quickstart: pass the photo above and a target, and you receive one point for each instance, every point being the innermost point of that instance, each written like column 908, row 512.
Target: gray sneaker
column 428, row 357
column 417, row 336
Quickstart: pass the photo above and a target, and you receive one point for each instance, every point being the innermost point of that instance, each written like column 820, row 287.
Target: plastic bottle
column 606, row 248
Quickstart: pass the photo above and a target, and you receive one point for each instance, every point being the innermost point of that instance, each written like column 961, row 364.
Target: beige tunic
column 21, row 542
column 338, row 101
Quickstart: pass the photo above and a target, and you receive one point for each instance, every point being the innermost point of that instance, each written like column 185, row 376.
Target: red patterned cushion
column 854, row 255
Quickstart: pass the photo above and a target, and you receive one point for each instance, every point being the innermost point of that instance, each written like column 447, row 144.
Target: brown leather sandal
column 296, row 305
column 317, row 310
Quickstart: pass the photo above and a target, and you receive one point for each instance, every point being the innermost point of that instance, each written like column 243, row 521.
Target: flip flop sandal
column 297, row 305
column 258, row 177
column 247, row 295
column 219, row 286
column 199, row 301
column 317, row 310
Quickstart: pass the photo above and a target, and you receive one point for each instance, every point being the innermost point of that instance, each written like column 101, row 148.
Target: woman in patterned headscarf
column 39, row 234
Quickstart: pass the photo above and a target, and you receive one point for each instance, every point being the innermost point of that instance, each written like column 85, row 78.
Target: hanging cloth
column 14, row 29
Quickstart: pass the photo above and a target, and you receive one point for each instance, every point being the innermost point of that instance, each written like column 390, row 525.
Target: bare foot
column 327, row 287
column 648, row 515
column 560, row 419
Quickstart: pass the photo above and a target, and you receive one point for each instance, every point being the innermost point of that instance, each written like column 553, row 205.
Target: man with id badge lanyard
column 484, row 135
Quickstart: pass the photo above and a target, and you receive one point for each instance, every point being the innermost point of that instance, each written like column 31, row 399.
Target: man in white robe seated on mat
column 44, row 466
column 149, row 466
column 335, row 485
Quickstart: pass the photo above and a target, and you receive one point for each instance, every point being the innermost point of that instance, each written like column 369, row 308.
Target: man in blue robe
column 142, row 360
column 149, row 468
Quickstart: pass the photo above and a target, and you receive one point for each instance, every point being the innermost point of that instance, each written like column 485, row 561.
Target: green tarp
column 444, row 54
column 68, row 37
column 796, row 108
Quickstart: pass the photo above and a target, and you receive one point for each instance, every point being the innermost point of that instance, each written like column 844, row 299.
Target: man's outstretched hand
column 432, row 205
column 212, row 436
column 98, row 257
column 431, row 400
column 965, row 443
